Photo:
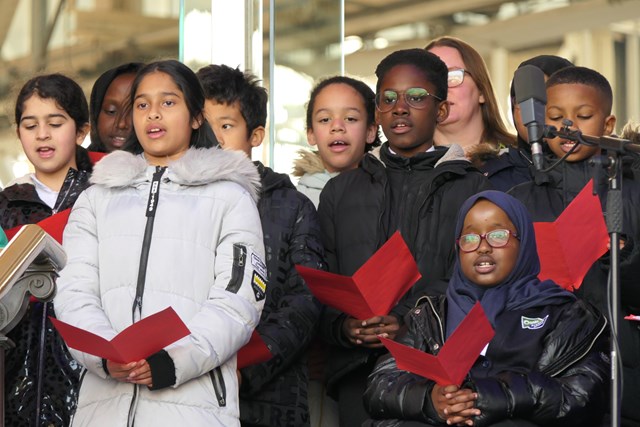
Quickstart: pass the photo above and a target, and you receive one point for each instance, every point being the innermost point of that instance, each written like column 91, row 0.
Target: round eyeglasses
column 456, row 77
column 415, row 97
column 495, row 238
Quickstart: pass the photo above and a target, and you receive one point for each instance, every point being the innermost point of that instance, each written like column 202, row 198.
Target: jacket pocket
column 237, row 272
column 217, row 379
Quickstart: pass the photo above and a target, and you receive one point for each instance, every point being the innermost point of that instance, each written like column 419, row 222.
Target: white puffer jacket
column 206, row 213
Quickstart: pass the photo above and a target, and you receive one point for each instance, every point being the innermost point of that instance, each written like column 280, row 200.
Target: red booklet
column 457, row 355
column 54, row 225
column 570, row 245
column 374, row 289
column 137, row 342
column 254, row 352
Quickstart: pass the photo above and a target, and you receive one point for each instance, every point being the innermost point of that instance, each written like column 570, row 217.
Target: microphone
column 531, row 96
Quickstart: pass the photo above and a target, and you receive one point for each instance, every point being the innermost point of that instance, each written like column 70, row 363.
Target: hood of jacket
column 452, row 153
column 198, row 166
column 309, row 162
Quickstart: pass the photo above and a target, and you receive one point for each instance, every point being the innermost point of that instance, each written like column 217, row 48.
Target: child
column 274, row 392
column 552, row 374
column 341, row 124
column 584, row 96
column 406, row 185
column 52, row 119
column 109, row 126
column 514, row 166
column 174, row 224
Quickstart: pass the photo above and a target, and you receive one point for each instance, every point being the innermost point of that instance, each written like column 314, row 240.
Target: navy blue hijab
column 521, row 289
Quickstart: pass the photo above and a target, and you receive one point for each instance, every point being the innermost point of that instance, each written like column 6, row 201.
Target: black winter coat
column 545, row 198
column 510, row 168
column 19, row 205
column 359, row 211
column 553, row 375
column 274, row 393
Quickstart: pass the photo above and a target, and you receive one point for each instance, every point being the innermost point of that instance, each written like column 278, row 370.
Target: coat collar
column 198, row 166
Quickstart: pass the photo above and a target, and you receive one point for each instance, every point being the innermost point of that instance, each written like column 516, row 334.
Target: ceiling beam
column 547, row 27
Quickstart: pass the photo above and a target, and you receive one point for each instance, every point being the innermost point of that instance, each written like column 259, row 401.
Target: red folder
column 254, row 352
column 54, row 225
column 570, row 245
column 457, row 355
column 137, row 342
column 374, row 289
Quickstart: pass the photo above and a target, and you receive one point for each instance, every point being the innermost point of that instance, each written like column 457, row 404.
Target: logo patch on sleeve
column 259, row 285
column 533, row 322
column 258, row 265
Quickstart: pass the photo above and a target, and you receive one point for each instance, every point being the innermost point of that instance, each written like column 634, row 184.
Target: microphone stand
column 615, row 148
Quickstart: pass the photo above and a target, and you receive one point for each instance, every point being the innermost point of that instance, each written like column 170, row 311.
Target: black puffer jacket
column 545, row 198
column 552, row 375
column 274, row 393
column 360, row 209
column 510, row 168
column 37, row 341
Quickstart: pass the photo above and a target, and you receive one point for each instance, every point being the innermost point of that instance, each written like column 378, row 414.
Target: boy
column 407, row 185
column 274, row 392
column 514, row 166
column 584, row 96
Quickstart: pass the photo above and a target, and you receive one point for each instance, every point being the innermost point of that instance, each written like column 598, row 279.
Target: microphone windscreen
column 528, row 82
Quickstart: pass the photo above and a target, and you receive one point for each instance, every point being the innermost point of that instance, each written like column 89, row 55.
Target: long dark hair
column 189, row 85
column 67, row 95
column 98, row 92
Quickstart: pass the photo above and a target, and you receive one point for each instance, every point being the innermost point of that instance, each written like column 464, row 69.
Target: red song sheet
column 374, row 289
column 455, row 358
column 54, row 225
column 137, row 342
column 570, row 245
column 254, row 352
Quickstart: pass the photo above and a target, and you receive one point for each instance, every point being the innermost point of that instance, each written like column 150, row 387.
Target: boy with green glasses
column 408, row 185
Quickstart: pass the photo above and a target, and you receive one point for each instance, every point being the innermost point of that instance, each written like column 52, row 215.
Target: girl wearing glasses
column 543, row 367
column 474, row 120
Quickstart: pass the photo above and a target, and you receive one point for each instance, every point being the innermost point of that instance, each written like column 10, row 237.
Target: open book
column 374, row 289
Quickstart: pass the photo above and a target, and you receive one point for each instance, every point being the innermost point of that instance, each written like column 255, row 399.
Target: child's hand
column 365, row 332
column 133, row 372
column 454, row 405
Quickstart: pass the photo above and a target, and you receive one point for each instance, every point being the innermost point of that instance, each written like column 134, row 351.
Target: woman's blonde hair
column 495, row 132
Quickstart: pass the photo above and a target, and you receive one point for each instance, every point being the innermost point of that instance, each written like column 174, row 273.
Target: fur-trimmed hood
column 198, row 166
column 309, row 162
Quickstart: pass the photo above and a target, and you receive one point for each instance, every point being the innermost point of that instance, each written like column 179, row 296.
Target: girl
column 172, row 223
column 544, row 365
column 52, row 119
column 341, row 123
column 474, row 112
column 109, row 126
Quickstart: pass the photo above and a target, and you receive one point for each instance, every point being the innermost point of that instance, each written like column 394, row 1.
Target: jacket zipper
column 237, row 271
column 218, row 386
column 150, row 212
column 563, row 366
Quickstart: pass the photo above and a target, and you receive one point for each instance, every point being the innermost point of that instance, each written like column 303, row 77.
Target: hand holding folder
column 570, row 245
column 137, row 342
column 374, row 289
column 457, row 355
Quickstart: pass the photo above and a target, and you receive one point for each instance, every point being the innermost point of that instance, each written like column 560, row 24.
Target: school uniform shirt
column 205, row 261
